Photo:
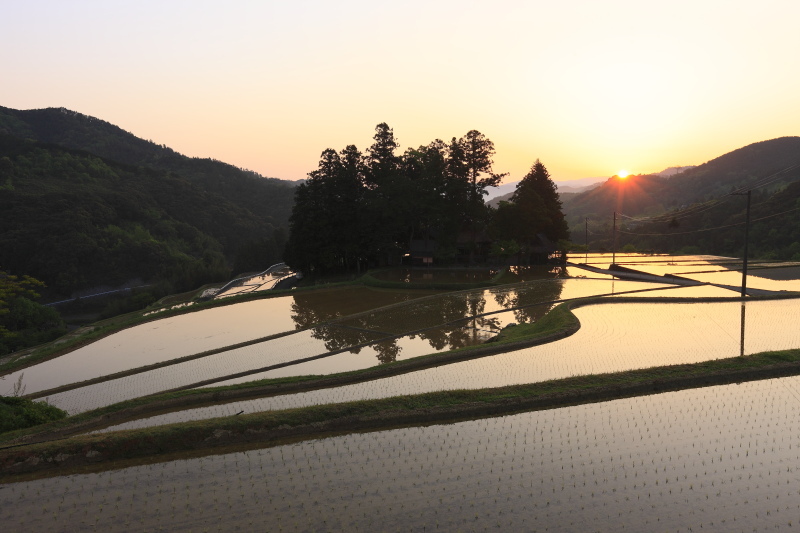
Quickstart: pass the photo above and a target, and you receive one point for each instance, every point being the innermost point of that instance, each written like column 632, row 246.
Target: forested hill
column 75, row 220
column 695, row 212
column 266, row 197
column 652, row 195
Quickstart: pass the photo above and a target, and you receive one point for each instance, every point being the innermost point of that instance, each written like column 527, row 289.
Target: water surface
column 720, row 458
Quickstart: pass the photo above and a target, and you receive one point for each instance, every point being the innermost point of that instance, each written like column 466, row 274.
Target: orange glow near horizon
column 240, row 83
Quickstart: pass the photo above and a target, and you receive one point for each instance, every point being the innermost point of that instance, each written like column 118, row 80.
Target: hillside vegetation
column 85, row 204
column 269, row 198
column 682, row 212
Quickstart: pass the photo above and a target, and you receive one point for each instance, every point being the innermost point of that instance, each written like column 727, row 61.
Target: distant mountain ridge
column 701, row 209
column 653, row 194
column 671, row 171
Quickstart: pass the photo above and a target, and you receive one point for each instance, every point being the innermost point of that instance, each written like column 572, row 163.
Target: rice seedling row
column 718, row 458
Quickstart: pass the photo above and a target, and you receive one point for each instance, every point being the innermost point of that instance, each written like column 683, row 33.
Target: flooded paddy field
column 360, row 338
column 613, row 338
column 763, row 275
column 214, row 329
column 719, row 458
column 191, row 333
column 261, row 282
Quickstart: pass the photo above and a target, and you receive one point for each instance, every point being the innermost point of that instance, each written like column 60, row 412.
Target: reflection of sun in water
column 623, row 174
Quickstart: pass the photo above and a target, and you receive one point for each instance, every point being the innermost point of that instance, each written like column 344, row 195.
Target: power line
column 710, row 229
column 700, row 208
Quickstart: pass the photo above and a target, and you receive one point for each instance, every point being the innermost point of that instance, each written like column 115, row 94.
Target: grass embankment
column 559, row 323
column 278, row 427
column 20, row 413
column 164, row 309
column 371, row 281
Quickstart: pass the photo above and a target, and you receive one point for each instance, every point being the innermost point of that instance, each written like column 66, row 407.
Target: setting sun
column 623, row 174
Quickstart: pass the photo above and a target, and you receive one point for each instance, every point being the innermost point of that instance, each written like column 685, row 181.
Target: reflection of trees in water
column 323, row 305
column 466, row 333
column 517, row 274
column 462, row 307
column 534, row 293
column 313, row 308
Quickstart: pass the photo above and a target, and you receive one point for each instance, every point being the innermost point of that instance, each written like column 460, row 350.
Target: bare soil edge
column 127, row 448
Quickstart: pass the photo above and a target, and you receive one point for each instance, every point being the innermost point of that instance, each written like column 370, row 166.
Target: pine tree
column 539, row 206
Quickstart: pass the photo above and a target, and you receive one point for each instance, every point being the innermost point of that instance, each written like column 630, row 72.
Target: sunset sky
column 589, row 87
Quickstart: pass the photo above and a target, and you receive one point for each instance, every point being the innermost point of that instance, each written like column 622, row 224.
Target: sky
column 589, row 87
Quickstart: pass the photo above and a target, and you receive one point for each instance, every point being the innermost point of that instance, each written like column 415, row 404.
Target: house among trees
column 422, row 252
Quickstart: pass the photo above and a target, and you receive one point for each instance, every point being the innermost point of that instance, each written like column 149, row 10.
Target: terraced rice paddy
column 719, row 458
column 349, row 333
column 709, row 269
column 191, row 333
column 613, row 338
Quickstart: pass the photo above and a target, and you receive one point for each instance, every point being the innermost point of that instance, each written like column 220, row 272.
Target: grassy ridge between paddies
column 371, row 281
column 96, row 451
column 557, row 324
column 160, row 443
column 560, row 322
column 19, row 413
column 165, row 308
column 176, row 360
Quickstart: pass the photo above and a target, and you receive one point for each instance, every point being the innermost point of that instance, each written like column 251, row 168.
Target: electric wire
column 700, row 208
column 710, row 229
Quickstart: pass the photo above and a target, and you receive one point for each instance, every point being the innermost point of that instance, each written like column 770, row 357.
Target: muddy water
column 720, row 458
column 613, row 338
column 182, row 335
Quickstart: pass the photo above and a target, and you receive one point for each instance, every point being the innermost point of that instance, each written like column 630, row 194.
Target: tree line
column 360, row 210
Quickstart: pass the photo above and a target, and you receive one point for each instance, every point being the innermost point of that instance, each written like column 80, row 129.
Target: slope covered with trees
column 702, row 210
column 267, row 197
column 74, row 220
column 653, row 195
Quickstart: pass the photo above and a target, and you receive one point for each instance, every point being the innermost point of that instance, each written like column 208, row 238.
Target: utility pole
column 746, row 242
column 741, row 343
column 586, row 237
column 614, row 241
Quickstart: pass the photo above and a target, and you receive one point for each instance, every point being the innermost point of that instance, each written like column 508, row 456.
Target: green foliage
column 20, row 413
column 676, row 231
column 534, row 210
column 266, row 197
column 107, row 223
column 120, row 208
column 24, row 322
column 360, row 210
